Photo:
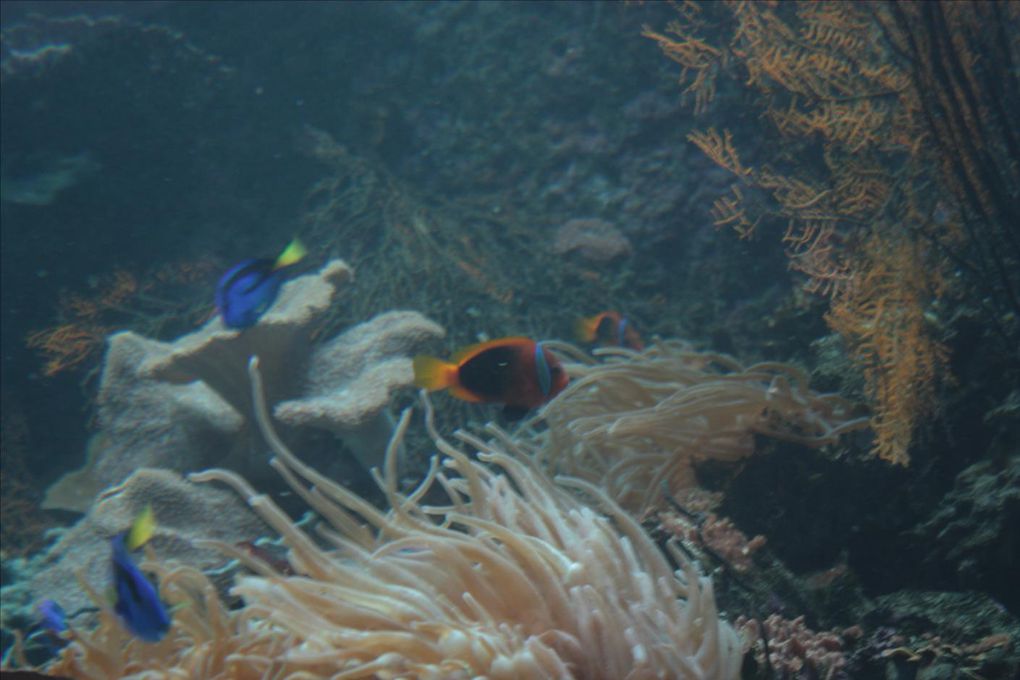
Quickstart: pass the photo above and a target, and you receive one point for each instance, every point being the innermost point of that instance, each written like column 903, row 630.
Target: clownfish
column 517, row 372
column 249, row 288
column 609, row 328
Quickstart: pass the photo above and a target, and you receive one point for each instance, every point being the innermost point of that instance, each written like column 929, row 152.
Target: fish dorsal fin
column 465, row 353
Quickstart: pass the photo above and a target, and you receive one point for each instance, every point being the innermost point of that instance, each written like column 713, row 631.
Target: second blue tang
column 249, row 288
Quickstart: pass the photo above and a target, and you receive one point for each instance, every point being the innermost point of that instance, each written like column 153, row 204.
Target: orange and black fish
column 609, row 328
column 517, row 372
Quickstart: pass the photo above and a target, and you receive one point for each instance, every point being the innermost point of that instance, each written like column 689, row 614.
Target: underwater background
column 808, row 216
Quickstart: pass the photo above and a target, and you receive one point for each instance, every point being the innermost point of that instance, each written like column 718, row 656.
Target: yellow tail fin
column 142, row 529
column 292, row 254
column 432, row 373
column 585, row 329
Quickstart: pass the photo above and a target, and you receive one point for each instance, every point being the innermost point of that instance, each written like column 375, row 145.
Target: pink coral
column 795, row 650
column 717, row 535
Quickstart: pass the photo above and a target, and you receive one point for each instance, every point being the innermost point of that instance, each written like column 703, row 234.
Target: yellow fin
column 142, row 529
column 292, row 254
column 586, row 329
column 432, row 373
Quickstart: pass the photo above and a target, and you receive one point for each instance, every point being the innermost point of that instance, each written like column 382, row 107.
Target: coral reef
column 186, row 515
column 917, row 633
column 592, row 239
column 888, row 163
column 515, row 578
column 865, row 150
column 148, row 304
column 183, row 405
column 352, row 378
column 712, row 533
column 44, row 187
column 796, row 651
column 971, row 534
column 883, row 315
column 24, row 530
column 145, row 423
column 217, row 356
column 28, row 48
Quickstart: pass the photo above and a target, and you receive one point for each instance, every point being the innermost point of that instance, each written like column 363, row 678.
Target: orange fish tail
column 585, row 329
column 432, row 373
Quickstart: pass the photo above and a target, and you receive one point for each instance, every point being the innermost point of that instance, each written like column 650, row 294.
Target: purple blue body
column 246, row 291
column 52, row 616
column 137, row 604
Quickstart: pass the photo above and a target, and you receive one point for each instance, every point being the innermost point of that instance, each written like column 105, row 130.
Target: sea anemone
column 516, row 577
column 639, row 422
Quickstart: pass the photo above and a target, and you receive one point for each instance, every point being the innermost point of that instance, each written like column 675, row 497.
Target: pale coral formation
column 186, row 515
column 516, row 578
column 352, row 377
column 183, row 405
column 218, row 356
column 145, row 423
column 592, row 239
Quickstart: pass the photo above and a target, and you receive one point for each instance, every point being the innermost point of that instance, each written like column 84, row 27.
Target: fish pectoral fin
column 465, row 394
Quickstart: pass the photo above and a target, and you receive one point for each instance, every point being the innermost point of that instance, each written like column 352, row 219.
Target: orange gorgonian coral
column 883, row 316
column 888, row 155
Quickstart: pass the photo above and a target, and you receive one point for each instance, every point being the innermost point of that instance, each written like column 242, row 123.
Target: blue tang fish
column 249, row 288
column 52, row 622
column 52, row 616
column 137, row 602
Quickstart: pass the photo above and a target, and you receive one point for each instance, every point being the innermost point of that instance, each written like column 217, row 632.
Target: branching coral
column 84, row 321
column 641, row 420
column 879, row 122
column 882, row 315
column 515, row 578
